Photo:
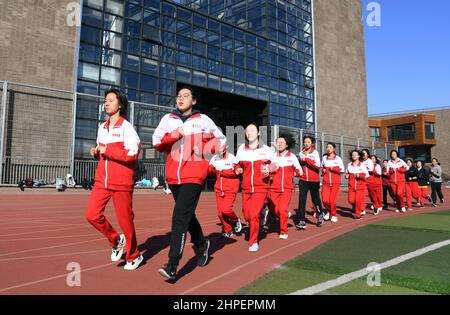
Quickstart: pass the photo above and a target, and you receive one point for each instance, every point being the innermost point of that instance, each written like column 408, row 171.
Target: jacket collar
column 177, row 114
column 118, row 123
column 286, row 153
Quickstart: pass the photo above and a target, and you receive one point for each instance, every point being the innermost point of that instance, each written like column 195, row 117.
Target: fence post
column 342, row 146
column 357, row 145
column 132, row 113
column 386, row 151
column 322, row 147
column 276, row 133
column 74, row 121
column 2, row 127
column 301, row 139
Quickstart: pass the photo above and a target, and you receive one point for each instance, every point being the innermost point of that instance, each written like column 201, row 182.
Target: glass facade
column 402, row 132
column 261, row 49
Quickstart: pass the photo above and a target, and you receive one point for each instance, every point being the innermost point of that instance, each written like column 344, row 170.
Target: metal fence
column 37, row 133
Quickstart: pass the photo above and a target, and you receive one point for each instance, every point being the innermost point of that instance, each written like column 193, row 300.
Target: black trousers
column 186, row 198
column 313, row 188
column 436, row 189
column 386, row 190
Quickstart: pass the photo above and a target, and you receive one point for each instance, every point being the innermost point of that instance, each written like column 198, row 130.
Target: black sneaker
column 238, row 226
column 301, row 225
column 202, row 253
column 430, row 200
column 376, row 211
column 320, row 220
column 228, row 235
column 434, row 205
column 168, row 271
column 442, row 200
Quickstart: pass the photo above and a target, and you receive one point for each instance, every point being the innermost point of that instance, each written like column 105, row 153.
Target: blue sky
column 408, row 56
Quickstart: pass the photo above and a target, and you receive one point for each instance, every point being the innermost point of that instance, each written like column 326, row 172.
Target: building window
column 375, row 134
column 402, row 132
column 429, row 131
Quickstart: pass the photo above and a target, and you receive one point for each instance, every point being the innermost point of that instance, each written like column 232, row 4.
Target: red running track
column 42, row 232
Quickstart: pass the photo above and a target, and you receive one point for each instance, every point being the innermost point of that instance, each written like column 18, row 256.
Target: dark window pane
column 90, row 53
column 131, row 62
column 91, row 35
column 149, row 83
column 130, row 79
column 132, row 28
column 92, row 17
column 149, row 66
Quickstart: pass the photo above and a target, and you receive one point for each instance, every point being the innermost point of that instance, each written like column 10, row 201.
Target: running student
column 254, row 161
column 282, row 182
column 397, row 168
column 186, row 136
column 387, row 189
column 226, row 188
column 377, row 182
column 436, row 181
column 332, row 168
column 356, row 175
column 412, row 185
column 423, row 178
column 309, row 181
column 370, row 182
column 117, row 151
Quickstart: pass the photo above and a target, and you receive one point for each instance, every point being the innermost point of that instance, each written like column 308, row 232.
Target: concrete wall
column 36, row 44
column 340, row 67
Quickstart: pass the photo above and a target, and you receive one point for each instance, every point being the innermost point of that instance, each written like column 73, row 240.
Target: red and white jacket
column 251, row 160
column 288, row 167
column 182, row 165
column 310, row 163
column 370, row 168
column 397, row 170
column 332, row 168
column 227, row 180
column 386, row 176
column 357, row 183
column 377, row 175
column 116, row 168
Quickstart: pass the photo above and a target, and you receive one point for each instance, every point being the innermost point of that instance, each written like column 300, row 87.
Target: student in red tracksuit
column 370, row 182
column 226, row 188
column 309, row 181
column 253, row 161
column 412, row 184
column 117, row 151
column 397, row 169
column 187, row 136
column 387, row 189
column 378, row 185
column 356, row 175
column 332, row 168
column 282, row 182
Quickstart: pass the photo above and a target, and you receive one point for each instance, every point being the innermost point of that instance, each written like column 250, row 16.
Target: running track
column 42, row 231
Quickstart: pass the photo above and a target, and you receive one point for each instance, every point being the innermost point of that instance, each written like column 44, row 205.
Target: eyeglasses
column 186, row 96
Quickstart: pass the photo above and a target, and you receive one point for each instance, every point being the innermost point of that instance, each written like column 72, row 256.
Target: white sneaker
column 254, row 248
column 283, row 236
column 132, row 265
column 403, row 210
column 334, row 219
column 397, row 211
column 371, row 207
column 289, row 214
column 238, row 226
column 363, row 212
column 410, row 209
column 117, row 252
column 326, row 216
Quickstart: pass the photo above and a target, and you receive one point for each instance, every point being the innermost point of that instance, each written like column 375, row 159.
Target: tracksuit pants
column 375, row 194
column 313, row 188
column 186, row 198
column 123, row 204
column 358, row 200
column 387, row 189
column 436, row 189
column 279, row 205
column 423, row 192
column 252, row 204
column 330, row 196
column 399, row 193
column 412, row 191
column 225, row 211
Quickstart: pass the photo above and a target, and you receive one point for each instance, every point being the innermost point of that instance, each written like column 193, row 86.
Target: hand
column 181, row 131
column 101, row 150
column 357, row 175
column 197, row 150
column 94, row 152
column 239, row 171
column 324, row 170
column 347, row 176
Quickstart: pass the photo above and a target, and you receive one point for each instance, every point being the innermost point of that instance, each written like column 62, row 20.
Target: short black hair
column 376, row 158
column 392, row 151
column 121, row 97
column 409, row 159
column 365, row 150
column 313, row 140
column 193, row 91
column 351, row 153
column 332, row 144
column 290, row 141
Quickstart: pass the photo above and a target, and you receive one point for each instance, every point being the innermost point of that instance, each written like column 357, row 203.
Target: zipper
column 251, row 180
column 282, row 179
column 179, row 164
column 221, row 187
column 106, row 170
